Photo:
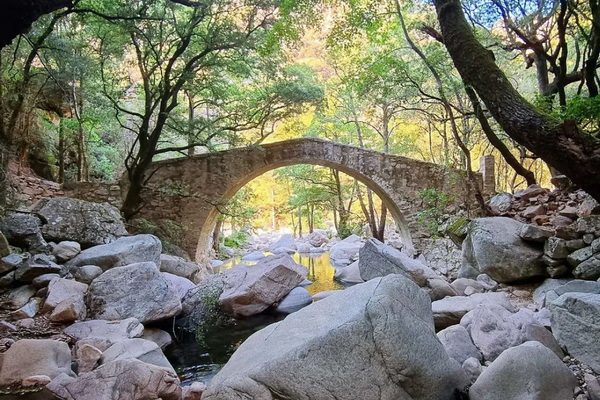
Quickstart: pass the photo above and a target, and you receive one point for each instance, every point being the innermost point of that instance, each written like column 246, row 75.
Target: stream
column 201, row 361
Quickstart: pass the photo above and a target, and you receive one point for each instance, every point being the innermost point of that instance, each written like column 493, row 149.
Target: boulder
column 141, row 349
column 180, row 267
column 69, row 310
column 589, row 269
column 251, row 290
column 29, row 310
column 529, row 371
column 556, row 248
column 66, row 250
column 450, row 310
column 129, row 379
column 63, row 290
column 195, row 390
column 550, row 291
column 501, row 203
column 493, row 247
column 10, row 263
column 579, row 256
column 325, row 294
column 357, row 343
column 456, row 229
column 20, row 296
column 87, row 273
column 201, row 303
column 458, row 344
column 317, row 238
column 24, row 230
column 576, row 326
column 472, row 368
column 295, row 300
column 123, row 251
column 534, row 233
column 345, row 251
column 87, row 357
column 254, row 256
column 180, row 284
column 35, row 266
column 590, row 224
column 111, row 331
column 158, row 336
column 461, row 284
column 349, row 274
column 135, row 290
column 28, row 357
column 530, row 192
column 44, row 280
column 81, row 221
column 285, row 243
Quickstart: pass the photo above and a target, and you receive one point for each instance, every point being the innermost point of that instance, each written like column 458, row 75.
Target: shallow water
column 196, row 361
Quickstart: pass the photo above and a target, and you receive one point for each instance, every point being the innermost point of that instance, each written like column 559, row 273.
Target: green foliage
column 236, row 240
column 433, row 202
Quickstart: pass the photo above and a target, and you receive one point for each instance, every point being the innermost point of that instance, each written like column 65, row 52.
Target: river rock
column 552, row 290
column 501, row 203
column 576, row 326
column 141, row 349
column 86, row 357
column 123, row 251
column 461, row 284
column 589, row 269
column 534, row 233
column 180, row 267
column 10, row 263
column 528, row 371
column 325, row 294
column 81, row 221
column 87, row 273
column 201, row 303
column 295, row 300
column 24, row 230
column 493, row 247
column 285, row 243
column 251, row 290
column 20, row 296
column 44, row 280
column 129, row 379
column 38, row 264
column 158, row 336
column 29, row 310
column 317, row 238
column 180, row 284
column 66, row 250
column 357, row 342
column 135, row 290
column 28, row 357
column 112, row 331
column 254, row 256
column 63, row 290
column 450, row 310
column 349, row 274
column 458, row 344
column 345, row 251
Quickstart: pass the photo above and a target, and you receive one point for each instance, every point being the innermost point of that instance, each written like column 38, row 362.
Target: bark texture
column 560, row 143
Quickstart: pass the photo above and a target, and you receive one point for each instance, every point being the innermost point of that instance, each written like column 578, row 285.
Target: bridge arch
column 190, row 190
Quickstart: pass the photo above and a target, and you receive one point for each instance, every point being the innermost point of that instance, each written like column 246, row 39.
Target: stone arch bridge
column 189, row 190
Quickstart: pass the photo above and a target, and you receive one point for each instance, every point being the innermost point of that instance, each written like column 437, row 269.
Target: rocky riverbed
column 89, row 312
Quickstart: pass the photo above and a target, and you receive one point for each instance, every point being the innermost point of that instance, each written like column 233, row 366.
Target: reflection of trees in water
column 320, row 272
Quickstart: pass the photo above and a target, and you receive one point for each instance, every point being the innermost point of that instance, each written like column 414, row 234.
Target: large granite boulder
column 494, row 247
column 295, row 300
column 24, row 230
column 349, row 274
column 529, row 371
column 201, row 303
column 123, row 251
column 375, row 341
column 138, row 348
column 29, row 357
column 180, row 284
column 181, row 267
column 345, row 251
column 251, row 290
column 450, row 310
column 285, row 244
column 129, row 379
column 81, row 221
column 377, row 259
column 576, row 326
column 112, row 331
column 458, row 343
column 136, row 290
column 317, row 238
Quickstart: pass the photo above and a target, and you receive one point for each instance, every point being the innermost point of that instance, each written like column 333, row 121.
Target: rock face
column 140, row 349
column 123, row 379
column 136, row 290
column 28, row 357
column 576, row 326
column 357, row 343
column 494, row 247
column 124, row 251
column 87, row 223
column 377, row 259
column 529, row 371
column 24, row 230
column 112, row 331
column 317, row 238
column 251, row 290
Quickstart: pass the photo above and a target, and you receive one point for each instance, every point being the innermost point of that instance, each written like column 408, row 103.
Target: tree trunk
column 561, row 144
column 216, row 236
column 61, row 151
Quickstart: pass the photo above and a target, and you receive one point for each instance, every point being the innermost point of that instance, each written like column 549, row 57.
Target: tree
column 560, row 143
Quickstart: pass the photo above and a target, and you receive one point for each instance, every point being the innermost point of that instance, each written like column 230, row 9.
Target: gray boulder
column 576, row 326
column 136, row 290
column 65, row 300
column 66, row 250
column 529, row 371
column 345, row 251
column 450, row 310
column 251, row 290
column 123, row 251
column 129, row 379
column 180, row 267
column 534, row 233
column 28, row 357
column 36, row 265
column 348, row 274
column 357, row 343
column 158, row 336
column 458, row 344
column 254, row 256
column 20, row 296
column 317, row 238
column 112, row 331
column 501, row 203
column 494, row 247
column 180, row 284
column 589, row 269
column 87, row 223
column 295, row 300
column 10, row 263
column 550, row 291
column 285, row 243
column 141, row 349
column 87, row 273
column 24, row 230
